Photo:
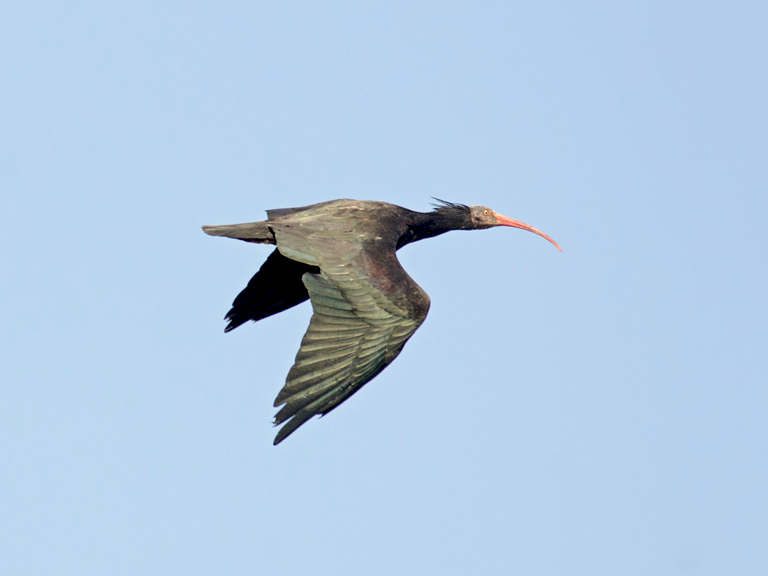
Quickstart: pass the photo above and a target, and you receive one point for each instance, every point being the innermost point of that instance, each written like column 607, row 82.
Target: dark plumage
column 341, row 255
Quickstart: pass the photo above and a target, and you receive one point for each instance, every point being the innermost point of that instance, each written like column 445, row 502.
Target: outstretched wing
column 361, row 320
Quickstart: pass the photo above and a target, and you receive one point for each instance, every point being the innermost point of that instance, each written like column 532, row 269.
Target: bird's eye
column 485, row 212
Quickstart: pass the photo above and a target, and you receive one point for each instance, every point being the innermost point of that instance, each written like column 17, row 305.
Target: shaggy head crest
column 443, row 205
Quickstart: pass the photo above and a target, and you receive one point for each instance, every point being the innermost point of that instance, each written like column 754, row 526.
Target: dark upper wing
column 365, row 307
column 277, row 286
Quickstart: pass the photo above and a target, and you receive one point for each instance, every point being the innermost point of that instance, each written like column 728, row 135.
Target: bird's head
column 483, row 217
column 452, row 216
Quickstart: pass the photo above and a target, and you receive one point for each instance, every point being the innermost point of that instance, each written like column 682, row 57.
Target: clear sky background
column 602, row 411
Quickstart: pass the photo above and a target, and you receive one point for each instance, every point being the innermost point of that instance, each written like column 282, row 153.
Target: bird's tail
column 258, row 232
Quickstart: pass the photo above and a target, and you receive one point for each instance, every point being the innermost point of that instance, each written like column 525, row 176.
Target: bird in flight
column 341, row 256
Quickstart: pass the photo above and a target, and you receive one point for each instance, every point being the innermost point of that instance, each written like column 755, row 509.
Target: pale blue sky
column 600, row 412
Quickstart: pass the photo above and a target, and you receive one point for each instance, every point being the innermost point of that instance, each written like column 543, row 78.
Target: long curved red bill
column 504, row 221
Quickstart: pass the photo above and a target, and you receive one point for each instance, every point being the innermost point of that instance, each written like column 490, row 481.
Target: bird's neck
column 427, row 225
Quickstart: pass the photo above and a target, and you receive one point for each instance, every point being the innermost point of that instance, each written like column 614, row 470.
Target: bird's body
column 341, row 255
